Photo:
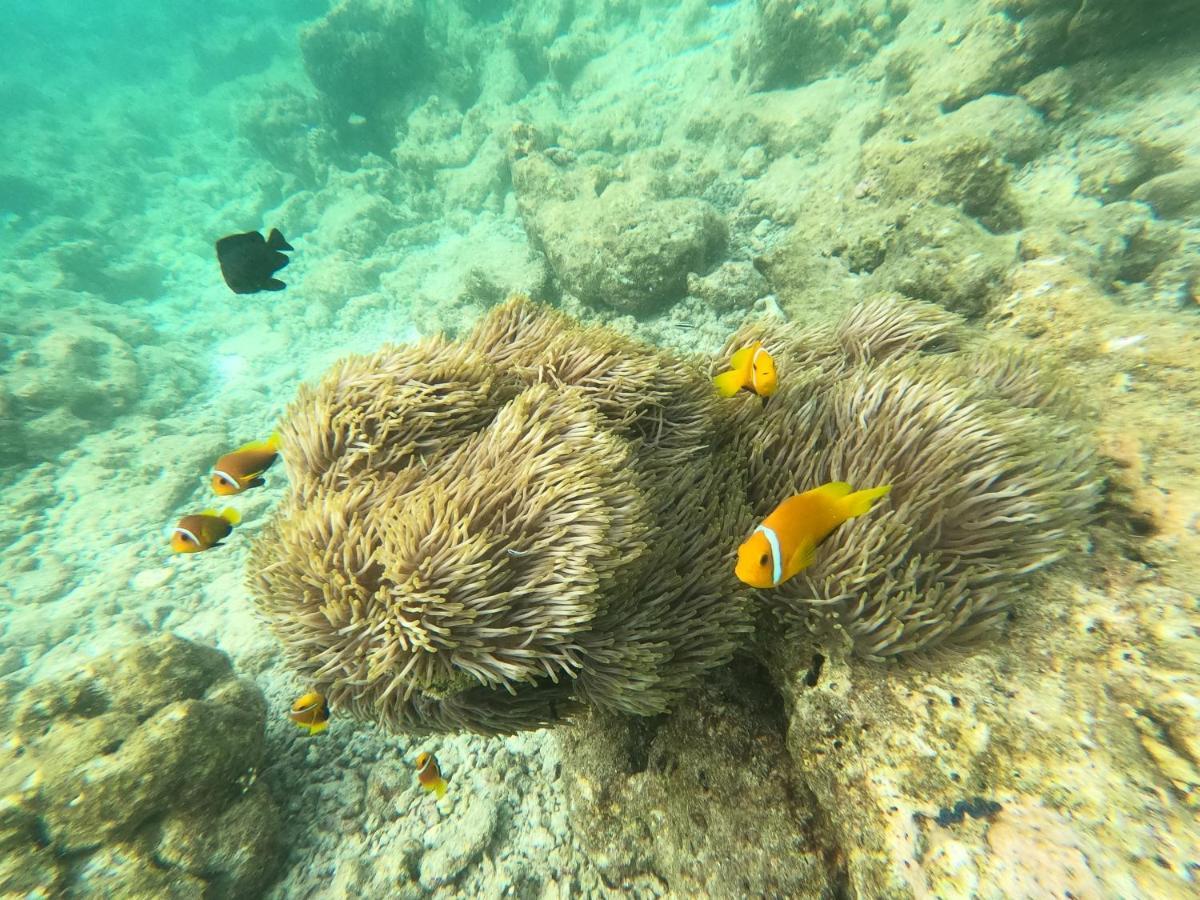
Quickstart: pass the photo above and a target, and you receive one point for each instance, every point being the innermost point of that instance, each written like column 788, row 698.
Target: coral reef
column 481, row 534
column 990, row 480
column 137, row 777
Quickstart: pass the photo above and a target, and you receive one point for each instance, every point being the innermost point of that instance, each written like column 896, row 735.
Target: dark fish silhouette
column 248, row 261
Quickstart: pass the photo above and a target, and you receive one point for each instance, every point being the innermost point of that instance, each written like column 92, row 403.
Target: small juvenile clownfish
column 311, row 712
column 429, row 774
column 783, row 544
column 753, row 370
column 243, row 468
column 204, row 531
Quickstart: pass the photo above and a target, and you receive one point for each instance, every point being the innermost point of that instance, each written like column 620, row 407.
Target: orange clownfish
column 204, row 531
column 429, row 774
column 242, row 469
column 784, row 543
column 753, row 370
column 311, row 712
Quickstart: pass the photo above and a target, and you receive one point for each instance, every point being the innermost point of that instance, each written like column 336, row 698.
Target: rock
column 792, row 44
column 731, row 286
column 1014, row 127
column 1051, row 93
column 660, row 797
column 365, row 54
column 946, row 166
column 159, row 731
column 151, row 579
column 1173, row 195
column 457, row 842
column 236, row 848
column 938, row 254
column 610, row 244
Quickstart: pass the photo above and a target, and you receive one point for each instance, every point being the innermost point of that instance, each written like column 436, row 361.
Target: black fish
column 248, row 261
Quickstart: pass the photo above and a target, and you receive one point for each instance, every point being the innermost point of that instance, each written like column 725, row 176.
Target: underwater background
column 1029, row 168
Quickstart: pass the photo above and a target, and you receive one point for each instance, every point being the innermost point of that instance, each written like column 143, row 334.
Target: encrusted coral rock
column 616, row 245
column 704, row 802
column 794, row 43
column 114, row 764
column 482, row 534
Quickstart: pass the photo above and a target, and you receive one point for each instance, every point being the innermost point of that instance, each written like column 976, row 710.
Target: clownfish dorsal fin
column 833, row 489
column 231, row 515
column 271, row 443
column 742, row 357
column 209, row 512
column 860, row 501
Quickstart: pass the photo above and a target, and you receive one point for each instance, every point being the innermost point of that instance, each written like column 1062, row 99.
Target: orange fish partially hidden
column 243, row 468
column 753, row 370
column 311, row 711
column 429, row 774
column 204, row 531
column 783, row 544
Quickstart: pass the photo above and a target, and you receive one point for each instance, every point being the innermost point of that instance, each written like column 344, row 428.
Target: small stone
column 151, row 579
column 461, row 841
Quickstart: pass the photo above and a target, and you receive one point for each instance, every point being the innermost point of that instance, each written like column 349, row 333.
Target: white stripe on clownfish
column 754, row 368
column 227, row 478
column 187, row 535
column 776, row 553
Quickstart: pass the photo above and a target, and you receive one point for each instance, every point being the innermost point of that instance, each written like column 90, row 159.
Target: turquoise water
column 967, row 232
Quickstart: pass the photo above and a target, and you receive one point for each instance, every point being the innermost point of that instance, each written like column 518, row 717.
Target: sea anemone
column 486, row 534
column 989, row 481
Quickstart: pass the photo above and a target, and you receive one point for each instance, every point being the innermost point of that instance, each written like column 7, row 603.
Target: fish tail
column 274, row 440
column 231, row 515
column 439, row 788
column 860, row 501
column 276, row 240
column 728, row 383
column 317, row 727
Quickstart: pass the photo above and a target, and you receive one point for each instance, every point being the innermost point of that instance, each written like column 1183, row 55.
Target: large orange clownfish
column 243, row 468
column 752, row 370
column 783, row 544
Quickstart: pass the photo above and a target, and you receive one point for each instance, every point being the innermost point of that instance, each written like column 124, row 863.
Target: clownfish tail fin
column 860, row 501
column 439, row 788
column 231, row 515
column 728, row 383
column 274, row 440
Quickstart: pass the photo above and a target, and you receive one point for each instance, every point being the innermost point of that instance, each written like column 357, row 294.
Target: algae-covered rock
column 704, row 800
column 1014, row 127
column 159, row 734
column 939, row 254
column 791, row 43
column 1173, row 195
column 949, row 166
column 364, row 54
column 615, row 245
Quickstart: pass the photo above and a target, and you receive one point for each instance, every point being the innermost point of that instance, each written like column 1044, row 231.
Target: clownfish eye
column 764, row 559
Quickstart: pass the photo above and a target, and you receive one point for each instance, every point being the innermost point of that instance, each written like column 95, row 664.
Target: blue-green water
column 989, row 212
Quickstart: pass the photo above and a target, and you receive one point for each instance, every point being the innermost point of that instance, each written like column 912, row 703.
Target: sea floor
column 932, row 151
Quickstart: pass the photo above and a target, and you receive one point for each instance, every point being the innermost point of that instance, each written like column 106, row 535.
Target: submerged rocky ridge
column 1028, row 165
